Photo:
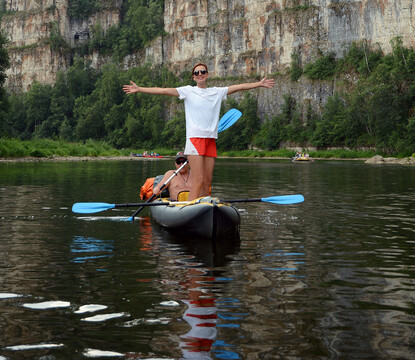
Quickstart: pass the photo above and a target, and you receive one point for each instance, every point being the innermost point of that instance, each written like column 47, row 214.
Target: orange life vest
column 147, row 189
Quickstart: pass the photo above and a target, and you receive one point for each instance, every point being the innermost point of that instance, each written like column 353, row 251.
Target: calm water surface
column 331, row 278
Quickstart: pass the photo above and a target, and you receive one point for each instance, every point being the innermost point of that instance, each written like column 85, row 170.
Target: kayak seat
column 183, row 196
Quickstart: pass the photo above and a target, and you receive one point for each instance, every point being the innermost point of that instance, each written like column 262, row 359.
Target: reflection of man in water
column 201, row 315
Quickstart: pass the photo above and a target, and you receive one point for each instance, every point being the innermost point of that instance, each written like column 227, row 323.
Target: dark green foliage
column 378, row 112
column 241, row 135
column 331, row 128
column 286, row 126
column 174, row 133
column 142, row 22
column 323, row 68
column 296, row 70
column 43, row 110
column 360, row 58
column 82, row 9
column 37, row 102
column 56, row 40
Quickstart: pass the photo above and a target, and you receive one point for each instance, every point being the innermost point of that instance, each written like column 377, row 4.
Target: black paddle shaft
column 152, row 197
column 242, row 200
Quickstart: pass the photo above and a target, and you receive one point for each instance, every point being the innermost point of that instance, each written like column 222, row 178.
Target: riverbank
column 75, row 158
column 15, row 150
column 375, row 160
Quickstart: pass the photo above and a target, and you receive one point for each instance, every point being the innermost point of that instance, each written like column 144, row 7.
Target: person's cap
column 181, row 155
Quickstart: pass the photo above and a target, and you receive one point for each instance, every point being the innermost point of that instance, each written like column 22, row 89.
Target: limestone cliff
column 30, row 25
column 234, row 37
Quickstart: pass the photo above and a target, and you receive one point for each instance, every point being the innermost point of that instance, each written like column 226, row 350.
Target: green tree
column 82, row 9
column 142, row 22
column 323, row 68
column 174, row 132
column 330, row 128
column 90, row 110
column 241, row 135
column 15, row 118
column 37, row 100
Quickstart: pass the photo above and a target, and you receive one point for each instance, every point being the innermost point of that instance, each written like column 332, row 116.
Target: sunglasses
column 179, row 162
column 202, row 72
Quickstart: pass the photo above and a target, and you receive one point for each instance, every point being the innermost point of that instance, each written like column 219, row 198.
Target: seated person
column 182, row 182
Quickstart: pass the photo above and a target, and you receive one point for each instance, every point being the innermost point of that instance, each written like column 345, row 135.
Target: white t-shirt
column 202, row 108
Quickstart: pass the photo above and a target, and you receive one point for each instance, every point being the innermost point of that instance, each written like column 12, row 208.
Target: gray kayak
column 207, row 217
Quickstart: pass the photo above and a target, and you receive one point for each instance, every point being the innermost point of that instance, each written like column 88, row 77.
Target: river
column 330, row 278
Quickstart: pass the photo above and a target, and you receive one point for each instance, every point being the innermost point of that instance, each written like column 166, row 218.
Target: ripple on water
column 47, row 305
column 34, row 347
column 9, row 295
column 104, row 317
column 90, row 308
column 94, row 353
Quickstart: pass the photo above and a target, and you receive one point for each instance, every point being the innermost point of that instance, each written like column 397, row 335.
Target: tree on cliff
column 4, row 65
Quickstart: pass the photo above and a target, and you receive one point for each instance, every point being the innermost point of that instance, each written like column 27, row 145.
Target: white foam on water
column 103, row 317
column 93, row 353
column 34, row 346
column 169, row 303
column 163, row 321
column 90, row 308
column 135, row 322
column 47, row 305
column 100, row 218
column 9, row 296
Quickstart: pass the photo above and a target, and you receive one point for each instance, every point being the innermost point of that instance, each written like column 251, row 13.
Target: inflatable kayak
column 207, row 217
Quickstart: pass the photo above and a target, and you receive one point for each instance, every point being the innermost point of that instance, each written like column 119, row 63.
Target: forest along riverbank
column 377, row 160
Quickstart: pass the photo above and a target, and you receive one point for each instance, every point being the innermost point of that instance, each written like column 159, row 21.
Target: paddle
column 94, row 207
column 225, row 122
column 229, row 119
column 152, row 197
column 281, row 200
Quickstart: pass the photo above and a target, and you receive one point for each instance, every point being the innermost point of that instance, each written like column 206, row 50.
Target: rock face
column 30, row 26
column 234, row 37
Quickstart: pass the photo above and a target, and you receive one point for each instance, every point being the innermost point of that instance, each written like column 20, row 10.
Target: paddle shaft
column 152, row 197
column 243, row 200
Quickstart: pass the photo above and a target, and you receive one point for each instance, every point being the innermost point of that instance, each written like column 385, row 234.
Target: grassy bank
column 14, row 148
column 284, row 153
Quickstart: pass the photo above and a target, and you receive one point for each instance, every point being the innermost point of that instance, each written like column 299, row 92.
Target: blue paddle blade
column 91, row 207
column 284, row 200
column 230, row 118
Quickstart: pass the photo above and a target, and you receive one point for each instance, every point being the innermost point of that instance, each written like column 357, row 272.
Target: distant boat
column 301, row 158
column 147, row 156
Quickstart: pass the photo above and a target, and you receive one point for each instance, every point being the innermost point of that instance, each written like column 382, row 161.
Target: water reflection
column 91, row 248
column 332, row 277
column 200, row 288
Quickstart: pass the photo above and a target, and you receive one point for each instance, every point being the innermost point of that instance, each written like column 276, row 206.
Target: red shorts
column 201, row 146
